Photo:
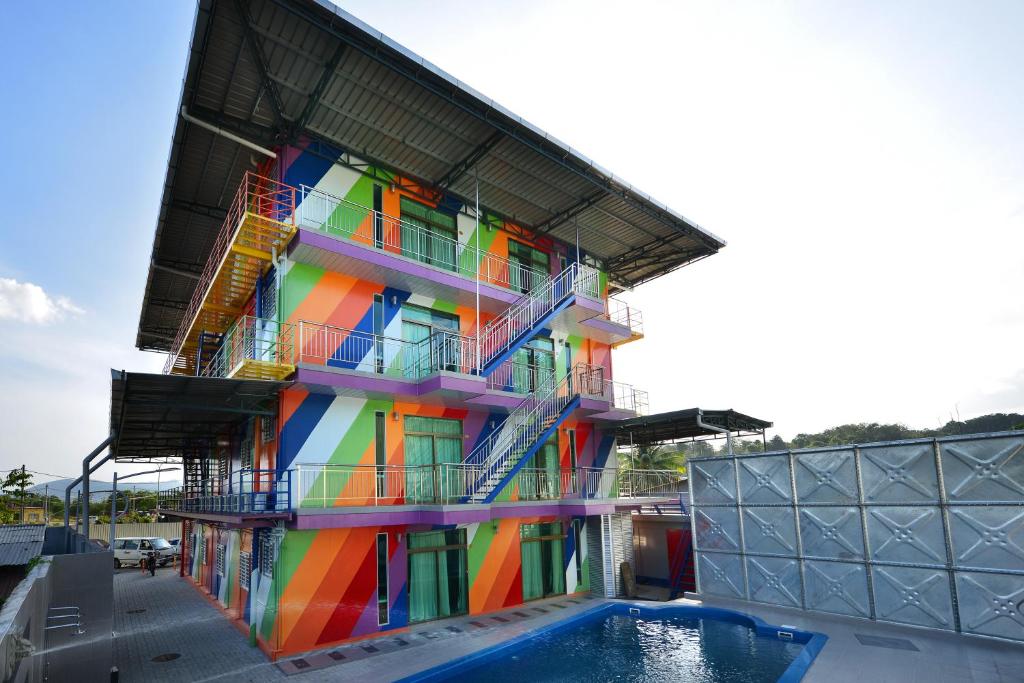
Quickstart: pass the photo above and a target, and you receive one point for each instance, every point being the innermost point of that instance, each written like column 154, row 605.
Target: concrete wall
column 84, row 580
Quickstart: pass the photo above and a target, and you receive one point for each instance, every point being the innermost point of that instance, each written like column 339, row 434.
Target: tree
column 650, row 457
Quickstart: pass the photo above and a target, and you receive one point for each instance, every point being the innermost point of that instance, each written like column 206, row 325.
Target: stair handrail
column 503, row 448
column 519, row 318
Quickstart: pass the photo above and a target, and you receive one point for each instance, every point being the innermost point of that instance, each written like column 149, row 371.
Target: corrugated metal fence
column 927, row 532
column 158, row 529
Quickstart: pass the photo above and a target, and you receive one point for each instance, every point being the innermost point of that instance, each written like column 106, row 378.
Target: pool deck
column 940, row 657
column 175, row 618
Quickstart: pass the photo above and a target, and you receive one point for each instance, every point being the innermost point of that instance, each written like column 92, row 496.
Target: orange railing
column 264, row 200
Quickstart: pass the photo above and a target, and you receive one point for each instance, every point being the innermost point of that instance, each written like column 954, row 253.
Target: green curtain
column 557, row 550
column 548, row 454
column 533, row 580
column 438, row 584
column 422, row 582
column 419, row 482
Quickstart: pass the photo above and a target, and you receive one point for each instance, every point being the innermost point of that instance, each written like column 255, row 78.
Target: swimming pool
column 634, row 643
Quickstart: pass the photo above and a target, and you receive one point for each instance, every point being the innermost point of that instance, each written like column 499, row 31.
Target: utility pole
column 22, row 496
column 46, row 504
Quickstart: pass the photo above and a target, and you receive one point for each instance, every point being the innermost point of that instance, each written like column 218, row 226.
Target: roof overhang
column 160, row 418
column 272, row 72
column 691, row 423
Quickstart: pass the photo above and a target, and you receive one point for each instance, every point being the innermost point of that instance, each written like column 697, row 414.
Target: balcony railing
column 254, row 348
column 621, row 313
column 349, row 349
column 261, row 218
column 329, row 486
column 245, row 492
column 319, row 210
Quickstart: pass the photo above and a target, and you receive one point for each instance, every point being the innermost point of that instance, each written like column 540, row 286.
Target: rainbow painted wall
column 321, row 585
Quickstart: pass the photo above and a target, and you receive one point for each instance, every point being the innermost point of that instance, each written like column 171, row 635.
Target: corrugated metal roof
column 271, row 70
column 19, row 543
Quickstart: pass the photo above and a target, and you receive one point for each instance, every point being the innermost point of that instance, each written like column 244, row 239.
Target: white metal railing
column 327, row 485
column 520, row 378
column 499, row 453
column 649, row 483
column 336, row 216
column 443, row 350
column 621, row 313
column 626, row 397
column 255, row 339
column 516, row 321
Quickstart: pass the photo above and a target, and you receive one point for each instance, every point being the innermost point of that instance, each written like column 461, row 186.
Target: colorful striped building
column 388, row 308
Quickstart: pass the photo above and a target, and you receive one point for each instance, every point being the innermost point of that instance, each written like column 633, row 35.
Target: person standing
column 151, row 564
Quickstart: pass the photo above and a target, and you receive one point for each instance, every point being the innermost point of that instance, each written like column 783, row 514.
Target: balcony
column 254, row 348
column 259, row 224
column 340, row 235
column 329, row 486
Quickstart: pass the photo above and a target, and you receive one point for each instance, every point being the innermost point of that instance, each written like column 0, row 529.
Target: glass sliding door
column 442, row 351
column 529, row 266
column 533, row 365
column 438, row 575
column 542, row 556
column 431, row 442
column 428, row 235
column 540, row 478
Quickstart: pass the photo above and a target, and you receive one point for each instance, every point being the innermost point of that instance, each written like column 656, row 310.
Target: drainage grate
column 336, row 656
column 555, row 604
column 479, row 624
column 400, row 642
column 300, row 663
column 166, row 657
column 370, row 648
column 136, row 611
column 891, row 643
column 454, row 629
column 521, row 614
column 539, row 610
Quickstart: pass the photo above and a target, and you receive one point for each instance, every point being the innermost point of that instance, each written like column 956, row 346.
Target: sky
column 864, row 162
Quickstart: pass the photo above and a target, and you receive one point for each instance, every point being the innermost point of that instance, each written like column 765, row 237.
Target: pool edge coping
column 812, row 641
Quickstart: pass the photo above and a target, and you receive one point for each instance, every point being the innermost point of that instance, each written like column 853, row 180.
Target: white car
column 176, row 544
column 133, row 549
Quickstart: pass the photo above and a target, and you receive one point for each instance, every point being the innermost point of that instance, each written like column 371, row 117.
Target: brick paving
column 178, row 619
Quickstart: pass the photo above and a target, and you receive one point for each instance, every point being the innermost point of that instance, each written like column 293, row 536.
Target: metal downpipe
column 84, row 480
column 715, row 428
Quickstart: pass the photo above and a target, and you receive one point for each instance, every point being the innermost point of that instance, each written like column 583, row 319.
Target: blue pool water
column 652, row 648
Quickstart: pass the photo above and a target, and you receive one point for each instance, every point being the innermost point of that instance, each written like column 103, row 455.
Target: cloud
column 26, row 302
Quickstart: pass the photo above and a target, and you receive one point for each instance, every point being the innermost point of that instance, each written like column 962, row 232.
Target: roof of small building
column 19, row 543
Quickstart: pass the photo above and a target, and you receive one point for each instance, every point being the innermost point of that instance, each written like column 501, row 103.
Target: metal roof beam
column 318, row 92
column 240, row 127
column 256, row 48
column 568, row 213
column 460, row 169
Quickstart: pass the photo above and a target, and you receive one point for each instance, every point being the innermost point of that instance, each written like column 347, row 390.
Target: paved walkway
column 178, row 620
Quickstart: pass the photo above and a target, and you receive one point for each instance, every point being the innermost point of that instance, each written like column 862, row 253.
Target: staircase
column 497, row 459
column 501, row 337
column 209, row 345
column 681, row 572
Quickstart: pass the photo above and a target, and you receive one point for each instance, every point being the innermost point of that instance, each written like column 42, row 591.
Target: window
column 572, row 449
column 244, row 569
column 542, row 547
column 378, row 331
column 530, row 266
column 577, row 535
column 382, row 579
column 431, row 442
column 428, row 235
column 378, row 217
column 267, row 552
column 438, row 575
column 247, row 449
column 380, row 451
column 219, row 559
column 145, row 545
column 268, row 431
